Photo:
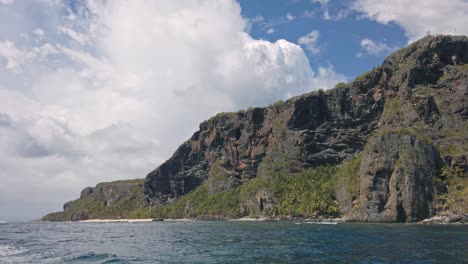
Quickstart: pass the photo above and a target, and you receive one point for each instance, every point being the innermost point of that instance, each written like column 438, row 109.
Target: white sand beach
column 116, row 220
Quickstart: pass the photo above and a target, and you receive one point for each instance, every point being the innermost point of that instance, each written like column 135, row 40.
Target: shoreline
column 451, row 219
column 242, row 219
column 114, row 220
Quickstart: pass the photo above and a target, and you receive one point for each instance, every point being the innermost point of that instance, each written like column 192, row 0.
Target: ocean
column 231, row 242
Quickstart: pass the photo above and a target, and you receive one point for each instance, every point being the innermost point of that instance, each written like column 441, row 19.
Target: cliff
column 388, row 147
column 118, row 199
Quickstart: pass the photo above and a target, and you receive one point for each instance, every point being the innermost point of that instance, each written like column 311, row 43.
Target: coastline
column 242, row 219
column 434, row 220
column 115, row 220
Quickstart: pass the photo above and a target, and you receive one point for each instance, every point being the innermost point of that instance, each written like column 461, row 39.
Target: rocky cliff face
column 396, row 175
column 306, row 131
column 400, row 130
column 118, row 199
column 421, row 88
column 108, row 192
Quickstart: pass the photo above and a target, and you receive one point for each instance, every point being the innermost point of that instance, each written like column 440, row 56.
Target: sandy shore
column 250, row 219
column 132, row 220
column 244, row 219
column 116, row 220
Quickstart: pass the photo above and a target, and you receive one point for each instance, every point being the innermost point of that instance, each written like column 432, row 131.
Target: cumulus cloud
column 340, row 14
column 15, row 57
column 309, row 13
column 418, row 17
column 39, row 32
column 310, row 41
column 375, row 48
column 321, row 2
column 7, row 2
column 115, row 99
column 77, row 36
column 11, row 54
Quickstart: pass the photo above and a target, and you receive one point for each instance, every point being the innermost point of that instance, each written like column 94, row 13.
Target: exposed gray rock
column 427, row 91
column 79, row 216
column 396, row 179
column 86, row 192
column 263, row 203
column 447, row 219
column 109, row 192
column 412, row 106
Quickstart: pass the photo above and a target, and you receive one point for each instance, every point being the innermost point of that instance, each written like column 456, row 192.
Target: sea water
column 231, row 242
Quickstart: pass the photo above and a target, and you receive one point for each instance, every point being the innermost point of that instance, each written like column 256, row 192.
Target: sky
column 96, row 90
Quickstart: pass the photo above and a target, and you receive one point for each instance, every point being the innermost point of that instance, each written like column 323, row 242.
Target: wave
column 8, row 251
column 14, row 254
column 91, row 257
column 322, row 223
column 317, row 223
column 3, row 222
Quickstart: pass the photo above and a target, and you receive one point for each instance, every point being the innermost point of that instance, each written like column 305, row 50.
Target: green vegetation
column 308, row 193
column 412, row 132
column 277, row 103
column 456, row 199
column 346, row 181
column 130, row 205
column 219, row 179
column 222, row 116
column 361, row 77
column 392, row 111
column 458, row 135
column 340, row 85
column 201, row 202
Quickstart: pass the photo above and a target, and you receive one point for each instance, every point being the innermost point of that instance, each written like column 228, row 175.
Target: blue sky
column 102, row 90
column 340, row 37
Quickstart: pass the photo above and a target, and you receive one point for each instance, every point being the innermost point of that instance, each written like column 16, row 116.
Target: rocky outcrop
column 118, row 199
column 399, row 119
column 455, row 218
column 262, row 204
column 396, row 177
column 109, row 192
column 421, row 88
column 314, row 129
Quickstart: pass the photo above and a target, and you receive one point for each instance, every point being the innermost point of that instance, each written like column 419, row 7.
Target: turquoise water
column 231, row 242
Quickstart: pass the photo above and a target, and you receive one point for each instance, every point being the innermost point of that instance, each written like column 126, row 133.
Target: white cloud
column 310, row 41
column 39, row 32
column 77, row 36
column 375, row 48
column 7, row 2
column 321, row 2
column 13, row 55
column 270, row 31
column 118, row 103
column 419, row 17
column 290, row 17
column 341, row 14
column 309, row 13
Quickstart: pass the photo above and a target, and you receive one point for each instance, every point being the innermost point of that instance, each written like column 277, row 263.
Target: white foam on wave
column 12, row 255
column 322, row 223
column 7, row 251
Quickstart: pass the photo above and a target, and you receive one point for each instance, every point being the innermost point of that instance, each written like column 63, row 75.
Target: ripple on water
column 12, row 254
column 7, row 251
column 93, row 257
column 220, row 242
